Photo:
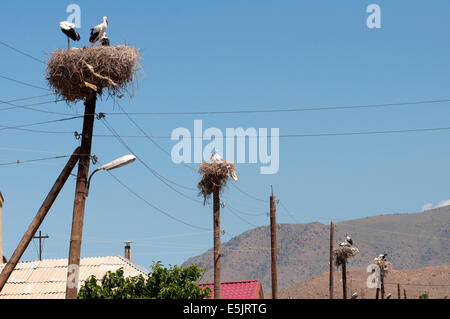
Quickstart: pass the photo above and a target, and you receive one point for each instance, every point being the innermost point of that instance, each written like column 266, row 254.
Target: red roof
column 245, row 289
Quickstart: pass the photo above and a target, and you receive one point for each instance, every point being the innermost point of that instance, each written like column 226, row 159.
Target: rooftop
column 245, row 289
column 46, row 279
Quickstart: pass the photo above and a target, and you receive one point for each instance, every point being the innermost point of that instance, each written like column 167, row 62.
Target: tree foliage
column 174, row 282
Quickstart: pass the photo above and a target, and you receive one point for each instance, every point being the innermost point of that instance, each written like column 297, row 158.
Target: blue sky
column 233, row 55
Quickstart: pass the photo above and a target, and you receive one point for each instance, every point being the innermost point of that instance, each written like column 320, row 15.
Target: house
column 245, row 289
column 46, row 279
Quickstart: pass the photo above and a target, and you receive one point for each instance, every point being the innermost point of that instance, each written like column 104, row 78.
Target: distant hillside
column 434, row 280
column 411, row 240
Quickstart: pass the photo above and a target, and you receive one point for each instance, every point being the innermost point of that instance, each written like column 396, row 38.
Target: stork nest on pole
column 74, row 74
column 341, row 254
column 385, row 266
column 215, row 176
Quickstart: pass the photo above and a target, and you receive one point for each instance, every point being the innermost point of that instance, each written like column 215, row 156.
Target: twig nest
column 341, row 254
column 385, row 266
column 215, row 176
column 76, row 73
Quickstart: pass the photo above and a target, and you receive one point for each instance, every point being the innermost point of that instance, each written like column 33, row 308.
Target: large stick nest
column 74, row 74
column 385, row 266
column 341, row 254
column 215, row 176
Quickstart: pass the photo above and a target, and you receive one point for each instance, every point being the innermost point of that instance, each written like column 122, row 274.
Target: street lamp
column 121, row 161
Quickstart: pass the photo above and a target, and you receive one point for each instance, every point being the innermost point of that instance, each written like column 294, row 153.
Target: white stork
column 348, row 239
column 215, row 157
column 104, row 40
column 69, row 30
column 98, row 31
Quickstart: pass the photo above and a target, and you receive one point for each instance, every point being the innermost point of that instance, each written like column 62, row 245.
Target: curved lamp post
column 121, row 161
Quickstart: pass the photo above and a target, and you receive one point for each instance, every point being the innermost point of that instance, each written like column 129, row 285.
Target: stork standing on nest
column 69, row 30
column 348, row 241
column 104, row 40
column 98, row 31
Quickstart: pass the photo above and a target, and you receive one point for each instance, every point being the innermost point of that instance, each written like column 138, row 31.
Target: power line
column 163, row 179
column 23, row 83
column 4, row 127
column 278, row 110
column 237, row 215
column 34, row 160
column 23, row 53
column 149, row 137
column 308, row 135
column 155, row 207
column 27, row 98
column 27, row 107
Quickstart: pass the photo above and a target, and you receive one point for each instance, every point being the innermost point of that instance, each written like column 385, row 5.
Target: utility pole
column 273, row 245
column 217, row 254
column 37, row 220
column 382, row 284
column 344, row 279
column 40, row 237
column 80, row 197
column 331, row 258
column 398, row 291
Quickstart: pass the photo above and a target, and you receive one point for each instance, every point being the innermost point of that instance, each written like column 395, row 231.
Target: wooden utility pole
column 217, row 255
column 37, row 220
column 382, row 284
column 344, row 279
column 331, row 258
column 404, row 293
column 80, row 197
column 377, row 295
column 398, row 291
column 40, row 237
column 273, row 245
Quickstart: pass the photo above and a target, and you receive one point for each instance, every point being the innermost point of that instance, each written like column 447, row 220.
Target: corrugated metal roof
column 245, row 289
column 46, row 279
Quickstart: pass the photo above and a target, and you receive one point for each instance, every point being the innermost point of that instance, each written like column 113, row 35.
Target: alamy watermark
column 232, row 146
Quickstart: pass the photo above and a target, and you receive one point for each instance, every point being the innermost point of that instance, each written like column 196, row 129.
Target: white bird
column 69, row 30
column 345, row 244
column 382, row 257
column 98, row 31
column 104, row 40
column 215, row 157
column 354, row 296
column 388, row 296
column 348, row 239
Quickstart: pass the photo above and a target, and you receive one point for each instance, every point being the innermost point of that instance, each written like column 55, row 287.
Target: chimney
column 1, row 232
column 128, row 249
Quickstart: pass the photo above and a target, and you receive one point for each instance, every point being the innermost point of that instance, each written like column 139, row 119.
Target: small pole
column 37, row 220
column 80, row 197
column 273, row 245
column 40, row 237
column 398, row 291
column 382, row 284
column 217, row 259
column 331, row 258
column 377, row 296
column 344, row 279
column 404, row 293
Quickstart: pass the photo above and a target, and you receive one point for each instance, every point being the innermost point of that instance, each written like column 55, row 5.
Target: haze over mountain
column 410, row 240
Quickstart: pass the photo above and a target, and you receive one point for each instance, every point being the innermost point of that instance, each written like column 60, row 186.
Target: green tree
column 174, row 282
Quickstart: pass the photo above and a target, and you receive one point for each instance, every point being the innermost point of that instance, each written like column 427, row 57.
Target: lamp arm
column 88, row 183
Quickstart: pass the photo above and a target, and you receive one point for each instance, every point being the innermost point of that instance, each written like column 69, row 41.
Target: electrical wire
column 163, row 179
column 24, row 83
column 155, row 207
column 21, row 52
column 34, row 160
column 4, row 127
column 278, row 110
